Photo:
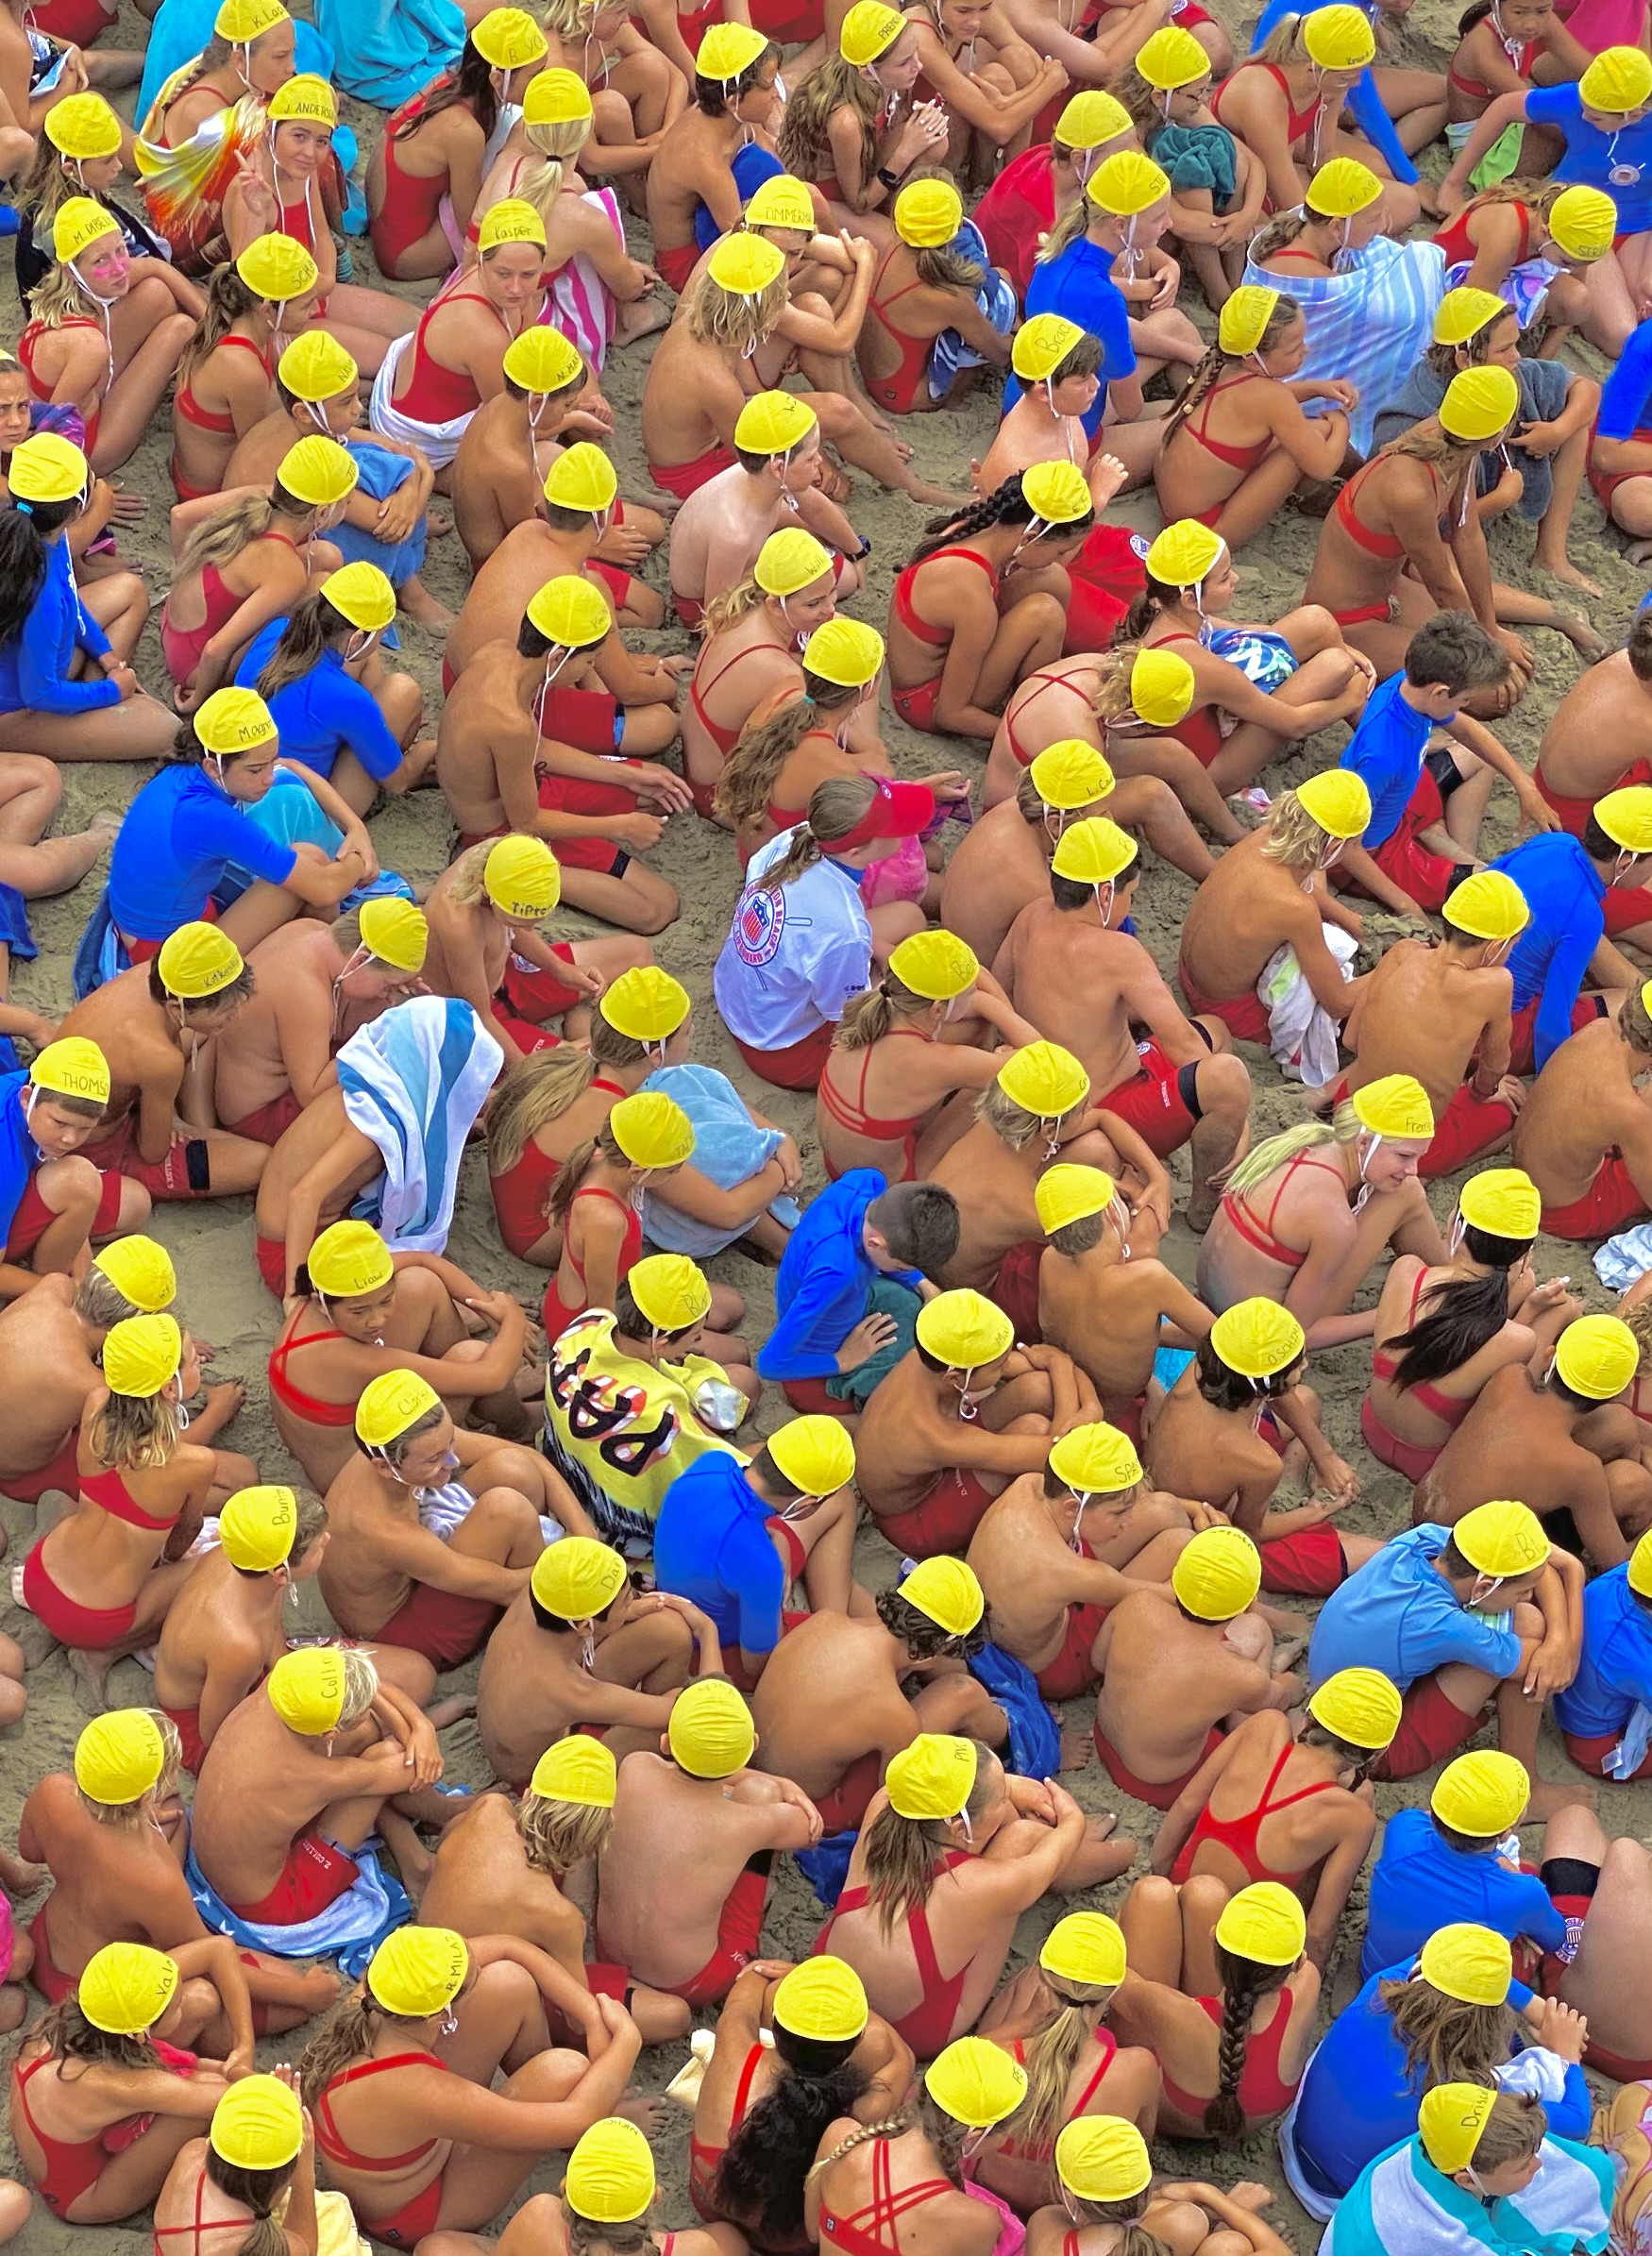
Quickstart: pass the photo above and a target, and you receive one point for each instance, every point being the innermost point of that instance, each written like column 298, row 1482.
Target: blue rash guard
column 1080, row 285
column 825, row 1276
column 711, row 1546
column 1420, row 1883
column 1567, row 895
column 325, row 712
column 180, row 834
column 34, row 665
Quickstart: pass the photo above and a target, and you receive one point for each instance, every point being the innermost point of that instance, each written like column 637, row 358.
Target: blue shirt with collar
column 1565, row 894
column 825, row 1277
column 711, row 1546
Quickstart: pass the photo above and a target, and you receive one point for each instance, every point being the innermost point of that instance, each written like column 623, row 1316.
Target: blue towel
column 414, row 1081
column 996, row 298
column 291, row 812
column 389, row 50
column 1034, row 1736
column 728, row 1147
column 1169, row 1365
column 181, row 31
column 100, row 954
column 350, row 1929
column 826, row 1866
column 379, row 475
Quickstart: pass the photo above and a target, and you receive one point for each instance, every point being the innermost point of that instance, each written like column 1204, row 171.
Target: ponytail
column 1244, row 1984
column 763, row 747
column 220, row 538
column 311, row 625
column 23, row 568
column 229, row 300
column 866, row 1018
column 576, row 1166
column 837, row 807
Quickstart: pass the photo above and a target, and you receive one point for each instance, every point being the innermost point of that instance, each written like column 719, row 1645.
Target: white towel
column 1302, row 1033
column 414, row 1081
column 440, row 441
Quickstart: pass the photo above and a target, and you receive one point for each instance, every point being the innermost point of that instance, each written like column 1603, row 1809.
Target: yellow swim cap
column 142, row 1354
column 1504, row 1202
column 362, row 594
column 814, row 1452
column 1127, row 183
column 824, row 2001
column 1449, row 2122
column 1066, row 1193
column 571, row 612
column 1359, row 1705
column 976, row 2082
column 233, row 720
column 578, row 1769
column 1093, row 852
column 773, row 422
column 1641, row 1567
column 745, row 265
column 240, row 22
column 315, row 367
column 1184, row 554
column 1342, row 187
column 1502, row 1538
column 1090, row 118
column 1101, row 2158
column 1041, row 345
column 1597, row 1356
column 1469, row 1963
column 1265, row 1923
column 1618, row 80
column 932, row 1778
column 1243, row 321
column 1339, row 38
column 727, row 52
column 578, row 1578
column 964, row 1330
column 542, row 361
column 79, row 224
column 1488, row 906
column 1479, row 403
column 1463, row 313
column 1095, row 1461
column 258, row 2125
column 653, row 1130
column 1071, row 774
column 1582, row 222
column 847, row 652
column 1483, row 1794
column 394, row 931
column 581, row 478
column 304, row 99
column 934, row 963
column 1257, row 1338
column 645, row 1004
column 126, row 1987
column 671, row 1293
column 948, row 1590
column 1337, row 800
column 1396, row 1106
column 711, row 1730
column 1625, row 815
column 1218, row 1574
column 1045, row 1080
column 521, row 877
column 308, row 1689
column 349, row 1259
column 869, row 30
column 418, row 1971
column 83, row 128
column 142, row 1271
column 257, row 1528
column 72, row 1067
column 513, row 220
column 47, row 467
column 1161, row 686
column 611, row 2171
column 318, row 471
column 1057, row 493
column 197, row 960
column 392, row 1402
column 1171, row 57
column 556, row 98
column 927, row 214
column 1087, row 1949
column 790, row 561
column 119, row 1757
column 509, row 39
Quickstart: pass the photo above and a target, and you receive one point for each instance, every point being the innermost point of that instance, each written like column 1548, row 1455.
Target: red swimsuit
column 851, row 1113
column 1413, row 1459
column 918, row 703
column 292, row 1397
column 417, row 2215
column 928, row 2028
column 898, row 390
column 221, row 426
column 1241, row 1835
column 1259, row 1233
column 871, row 2231
column 703, row 2159
column 558, row 1315
column 1262, row 2089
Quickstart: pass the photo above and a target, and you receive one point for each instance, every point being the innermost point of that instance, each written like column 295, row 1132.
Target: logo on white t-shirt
column 759, row 922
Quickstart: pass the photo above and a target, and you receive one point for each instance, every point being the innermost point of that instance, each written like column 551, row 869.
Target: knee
column 1155, row 1897
column 504, row 1983
column 646, row 604
column 1157, row 1514
column 77, row 1185
column 13, row 1700
column 1317, row 627
column 1528, row 1621
column 1045, row 613
column 659, row 907
column 39, row 773
column 1203, row 1896
column 506, row 1513
column 728, row 1307
column 136, row 1206
column 235, row 1470
column 197, row 2002
column 1225, row 1083
column 836, row 413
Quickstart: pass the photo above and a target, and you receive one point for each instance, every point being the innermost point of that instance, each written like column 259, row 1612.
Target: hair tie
column 24, row 508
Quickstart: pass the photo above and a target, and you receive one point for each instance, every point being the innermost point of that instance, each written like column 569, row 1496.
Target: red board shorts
column 798, row 1066
column 843, row 1809
column 62, row 1472
column 810, row 1396
column 1072, row 1671
column 89, row 1628
column 187, row 1722
column 315, row 1874
column 1244, row 1015
column 1468, row 1126
column 184, row 1173
column 1015, row 1288
column 1523, row 1057
column 1431, row 1728
column 1160, row 1103
column 739, row 1936
column 917, row 705
column 675, row 266
column 683, row 478
column 1605, row 486
column 1309, row 1562
column 443, row 1627
column 34, row 1218
column 1427, row 877
column 1157, row 1795
column 943, row 1521
column 1575, row 813
column 1592, row 1755
column 1611, row 1201
column 602, row 1981
column 269, row 1122
column 142, row 952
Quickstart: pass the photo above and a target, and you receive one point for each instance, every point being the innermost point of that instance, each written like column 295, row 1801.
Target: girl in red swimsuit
column 611, row 2171
column 224, row 376
column 1106, row 2202
column 753, row 636
column 852, row 120
column 256, row 2159
column 415, row 2140
column 868, row 2177
column 596, row 1195
column 455, row 357
column 936, row 288
column 96, row 2143
column 97, row 1579
column 1234, row 2055
column 982, row 602
column 1237, row 477
column 1444, row 1332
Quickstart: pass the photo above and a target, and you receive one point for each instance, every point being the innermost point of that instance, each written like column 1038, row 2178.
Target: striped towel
column 1402, row 2203
column 1371, row 324
column 414, row 1081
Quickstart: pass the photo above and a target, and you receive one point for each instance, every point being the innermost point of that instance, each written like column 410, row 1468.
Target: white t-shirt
column 794, row 956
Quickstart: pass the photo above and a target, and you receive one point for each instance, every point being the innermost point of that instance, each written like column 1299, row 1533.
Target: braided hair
column 1244, row 1984
column 1005, row 505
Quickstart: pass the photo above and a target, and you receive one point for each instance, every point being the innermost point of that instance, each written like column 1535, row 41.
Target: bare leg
column 1169, row 758
column 1550, row 553
column 1030, row 635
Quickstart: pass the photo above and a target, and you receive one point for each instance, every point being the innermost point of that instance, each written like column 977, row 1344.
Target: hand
column 37, row 1030
column 1551, row 1667
column 1451, row 195
column 1521, row 655
column 661, row 786
column 796, row 1798
column 258, row 200
column 357, row 841
column 423, row 1754
column 1052, row 74
column 1107, row 476
column 639, row 830
column 1539, row 438
column 1562, row 2030
column 230, row 1394
column 493, row 1307
column 125, row 508
column 1341, row 395
column 624, row 544
column 125, row 680
column 1535, row 809
column 1323, row 1505
column 679, row 669
column 791, row 1163
column 937, row 126
column 948, row 783
column 1164, row 293
column 1550, row 1293
column 668, row 1602
column 1031, row 1798
column 621, row 2029
column 1339, row 1480
column 242, row 2061
column 399, row 513
column 1510, row 1090
column 584, row 979
column 1205, row 1515
column 868, row 1337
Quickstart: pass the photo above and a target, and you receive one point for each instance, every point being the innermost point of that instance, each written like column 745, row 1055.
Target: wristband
column 888, row 179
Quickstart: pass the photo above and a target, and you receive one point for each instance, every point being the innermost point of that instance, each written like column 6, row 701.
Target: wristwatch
column 888, row 179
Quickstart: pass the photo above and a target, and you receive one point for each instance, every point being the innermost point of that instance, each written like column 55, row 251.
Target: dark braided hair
column 1244, row 1984
column 1007, row 505
column 768, row 2159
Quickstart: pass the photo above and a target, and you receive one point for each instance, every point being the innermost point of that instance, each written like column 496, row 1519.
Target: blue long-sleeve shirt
column 1614, row 1669
column 1625, row 397
column 825, row 1275
column 34, row 665
column 1364, row 104
column 325, row 712
column 1080, row 284
column 1420, row 1883
column 1565, row 894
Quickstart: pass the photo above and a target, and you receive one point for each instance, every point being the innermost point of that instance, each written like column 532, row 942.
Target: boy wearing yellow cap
column 1567, row 1445
column 50, row 1199
column 842, row 1693
column 1600, row 1711
column 1599, row 738
column 1586, row 1146
column 697, row 168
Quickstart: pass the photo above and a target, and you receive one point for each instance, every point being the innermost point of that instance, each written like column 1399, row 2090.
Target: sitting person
column 1452, row 1862
column 1585, row 1142
column 1203, row 1636
column 52, row 1201
column 1454, row 2006
column 856, row 1269
column 1102, row 2167
column 612, row 2165
column 1415, row 1612
column 1581, row 893
column 775, row 479
column 1317, row 1834
column 790, row 590
column 106, row 1832
column 1594, row 742
column 961, row 1415
column 213, row 107
column 1231, row 2053
column 1567, row 1441
column 256, row 2159
column 580, row 1650
column 516, row 1869
column 79, row 152
column 389, row 1575
column 733, row 1538
column 1598, row 1712
column 1444, row 1330
column 225, row 375
column 795, row 2047
column 1059, row 1550
column 956, row 312
column 382, row 1312
column 643, row 1136
column 711, row 157
column 1018, row 211
column 855, row 127
column 982, row 1847
column 151, row 2096
column 1265, row 447
column 1347, row 1189
column 1218, row 186
column 1311, row 84
column 841, row 1694
column 1446, row 1014
column 683, row 1877
column 1224, row 1431
column 470, row 2145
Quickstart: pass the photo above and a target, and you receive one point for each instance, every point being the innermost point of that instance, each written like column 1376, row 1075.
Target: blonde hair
column 60, row 294
column 133, row 1433
column 764, row 747
column 229, row 300
column 1446, row 2041
column 558, row 1835
column 1284, row 45
column 945, row 2134
column 556, row 147
column 902, row 1853
column 1066, row 230
column 866, row 1018
column 1295, row 840
column 47, row 186
column 469, row 870
column 1639, row 1320
column 220, row 538
column 131, row 1817
column 1052, row 2053
column 734, row 603
column 1011, row 1123
column 835, row 808
column 568, row 19
column 1343, row 1128
column 535, row 1093
column 737, row 324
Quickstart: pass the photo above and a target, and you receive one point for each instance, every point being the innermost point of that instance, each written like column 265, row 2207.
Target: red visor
column 898, row 811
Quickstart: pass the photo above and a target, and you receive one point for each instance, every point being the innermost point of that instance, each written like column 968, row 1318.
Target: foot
column 1077, row 1749
column 13, row 2008
column 415, row 1868
column 416, row 601
column 1580, row 635
column 1549, row 1801
column 1102, row 1825
column 836, row 482
column 1287, row 1653
column 22, row 1877
column 1561, row 567
column 1641, row 552
column 643, row 317
column 103, row 825
column 936, row 497
column 90, row 1674
column 649, row 2115
column 438, row 525
column 441, row 1712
